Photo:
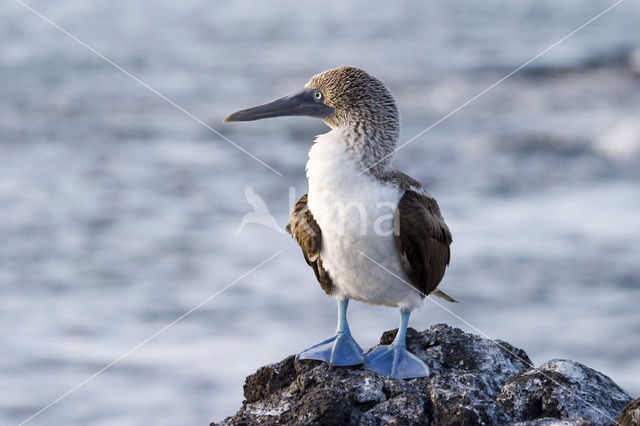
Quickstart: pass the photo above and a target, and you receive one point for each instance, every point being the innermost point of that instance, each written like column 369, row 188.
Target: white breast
column 355, row 213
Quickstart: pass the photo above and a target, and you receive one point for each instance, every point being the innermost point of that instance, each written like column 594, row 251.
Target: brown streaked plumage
column 423, row 241
column 303, row 227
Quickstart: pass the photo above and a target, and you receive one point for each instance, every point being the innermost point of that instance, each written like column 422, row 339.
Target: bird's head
column 345, row 97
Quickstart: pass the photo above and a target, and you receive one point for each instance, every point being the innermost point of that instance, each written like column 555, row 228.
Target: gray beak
column 300, row 103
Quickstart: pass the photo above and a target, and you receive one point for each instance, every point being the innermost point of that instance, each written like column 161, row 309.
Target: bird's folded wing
column 304, row 228
column 423, row 240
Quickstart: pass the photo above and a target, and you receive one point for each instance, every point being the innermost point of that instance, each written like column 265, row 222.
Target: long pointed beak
column 299, row 103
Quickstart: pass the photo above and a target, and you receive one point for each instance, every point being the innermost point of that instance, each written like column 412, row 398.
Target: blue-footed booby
column 369, row 232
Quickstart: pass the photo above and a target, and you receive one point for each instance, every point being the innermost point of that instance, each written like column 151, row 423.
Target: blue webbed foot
column 340, row 350
column 396, row 362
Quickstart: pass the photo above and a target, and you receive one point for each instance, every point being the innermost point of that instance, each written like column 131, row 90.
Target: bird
column 370, row 232
column 260, row 214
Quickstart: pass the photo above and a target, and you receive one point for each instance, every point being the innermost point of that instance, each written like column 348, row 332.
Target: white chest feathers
column 355, row 213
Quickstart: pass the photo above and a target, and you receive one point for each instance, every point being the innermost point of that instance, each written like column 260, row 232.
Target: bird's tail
column 443, row 295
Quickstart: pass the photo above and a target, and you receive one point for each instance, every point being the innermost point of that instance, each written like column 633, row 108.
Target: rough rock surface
column 473, row 381
column 630, row 415
column 563, row 389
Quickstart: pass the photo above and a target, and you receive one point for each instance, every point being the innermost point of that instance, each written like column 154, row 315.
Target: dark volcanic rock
column 268, row 380
column 563, row 389
column 473, row 381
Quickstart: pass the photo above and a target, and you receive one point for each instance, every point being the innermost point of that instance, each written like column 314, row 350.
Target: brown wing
column 423, row 240
column 304, row 228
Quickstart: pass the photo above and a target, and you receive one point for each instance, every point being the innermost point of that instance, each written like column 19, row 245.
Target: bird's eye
column 317, row 95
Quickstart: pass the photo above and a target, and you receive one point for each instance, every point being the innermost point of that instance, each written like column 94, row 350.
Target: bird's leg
column 394, row 360
column 341, row 349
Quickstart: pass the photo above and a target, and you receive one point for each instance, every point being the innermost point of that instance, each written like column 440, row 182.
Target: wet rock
column 630, row 414
column 474, row 381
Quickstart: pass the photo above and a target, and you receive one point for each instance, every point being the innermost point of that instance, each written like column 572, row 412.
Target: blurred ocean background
column 118, row 212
